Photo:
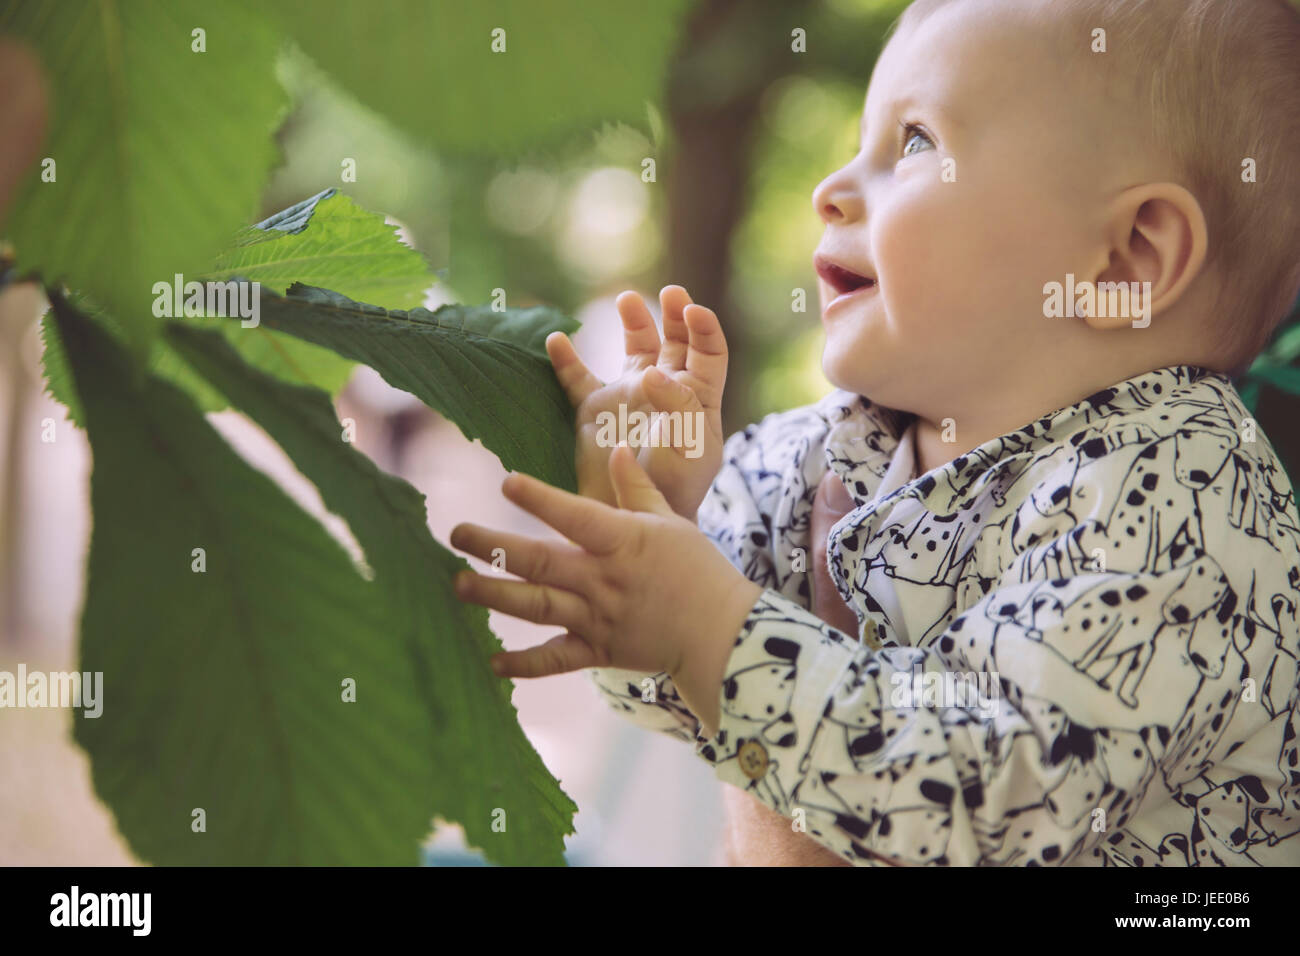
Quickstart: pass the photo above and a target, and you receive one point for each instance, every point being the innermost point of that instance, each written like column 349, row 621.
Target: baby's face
column 977, row 182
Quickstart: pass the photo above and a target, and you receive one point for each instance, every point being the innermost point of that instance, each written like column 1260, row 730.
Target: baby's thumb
column 633, row 488
column 667, row 394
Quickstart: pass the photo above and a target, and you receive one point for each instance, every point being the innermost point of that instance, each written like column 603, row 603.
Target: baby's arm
column 811, row 719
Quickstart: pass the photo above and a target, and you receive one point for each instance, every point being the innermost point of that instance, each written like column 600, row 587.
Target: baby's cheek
column 923, row 239
column 923, row 275
column 1025, row 238
column 956, row 261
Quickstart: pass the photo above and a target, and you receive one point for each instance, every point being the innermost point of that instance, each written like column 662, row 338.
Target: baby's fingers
column 560, row 655
column 523, row 599
column 640, row 337
column 669, row 395
column 542, row 562
column 574, row 376
column 673, row 299
column 707, row 358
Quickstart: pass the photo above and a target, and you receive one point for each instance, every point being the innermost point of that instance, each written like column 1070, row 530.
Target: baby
column 1068, row 564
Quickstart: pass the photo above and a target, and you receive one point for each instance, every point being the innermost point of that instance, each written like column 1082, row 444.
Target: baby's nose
column 836, row 200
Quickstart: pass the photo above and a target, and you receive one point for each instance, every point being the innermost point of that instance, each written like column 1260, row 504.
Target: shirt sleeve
column 1004, row 742
column 730, row 517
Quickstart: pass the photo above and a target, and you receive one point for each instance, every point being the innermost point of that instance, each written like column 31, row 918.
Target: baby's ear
column 1158, row 240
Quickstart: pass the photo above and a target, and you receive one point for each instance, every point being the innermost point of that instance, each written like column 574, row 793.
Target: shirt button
column 869, row 636
column 753, row 759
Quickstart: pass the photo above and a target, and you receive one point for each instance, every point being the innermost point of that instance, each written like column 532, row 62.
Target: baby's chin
column 859, row 353
column 851, row 372
column 888, row 381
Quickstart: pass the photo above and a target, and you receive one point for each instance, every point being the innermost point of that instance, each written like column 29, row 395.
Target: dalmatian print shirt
column 1088, row 656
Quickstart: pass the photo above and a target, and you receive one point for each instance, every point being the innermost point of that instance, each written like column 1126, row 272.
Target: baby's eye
column 911, row 134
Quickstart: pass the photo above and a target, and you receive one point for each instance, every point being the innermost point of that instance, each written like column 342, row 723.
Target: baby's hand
column 635, row 587
column 685, row 374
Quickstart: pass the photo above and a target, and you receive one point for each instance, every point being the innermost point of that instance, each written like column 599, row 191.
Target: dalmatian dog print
column 1122, row 578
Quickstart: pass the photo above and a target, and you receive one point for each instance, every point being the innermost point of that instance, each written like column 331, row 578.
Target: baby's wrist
column 703, row 667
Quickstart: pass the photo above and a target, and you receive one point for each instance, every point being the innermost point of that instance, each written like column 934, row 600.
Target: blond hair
column 1219, row 82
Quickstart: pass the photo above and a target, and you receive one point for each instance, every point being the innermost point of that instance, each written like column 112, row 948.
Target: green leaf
column 222, row 687
column 331, row 242
column 1283, row 377
column 1287, row 346
column 430, row 66
column 58, row 376
column 326, row 237
column 54, row 361
column 273, row 352
column 161, row 152
column 487, row 371
column 483, row 758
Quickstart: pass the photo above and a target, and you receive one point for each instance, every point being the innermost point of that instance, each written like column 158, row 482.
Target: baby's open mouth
column 840, row 279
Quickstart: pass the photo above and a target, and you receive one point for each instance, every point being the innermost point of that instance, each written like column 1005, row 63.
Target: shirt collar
column 863, row 436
